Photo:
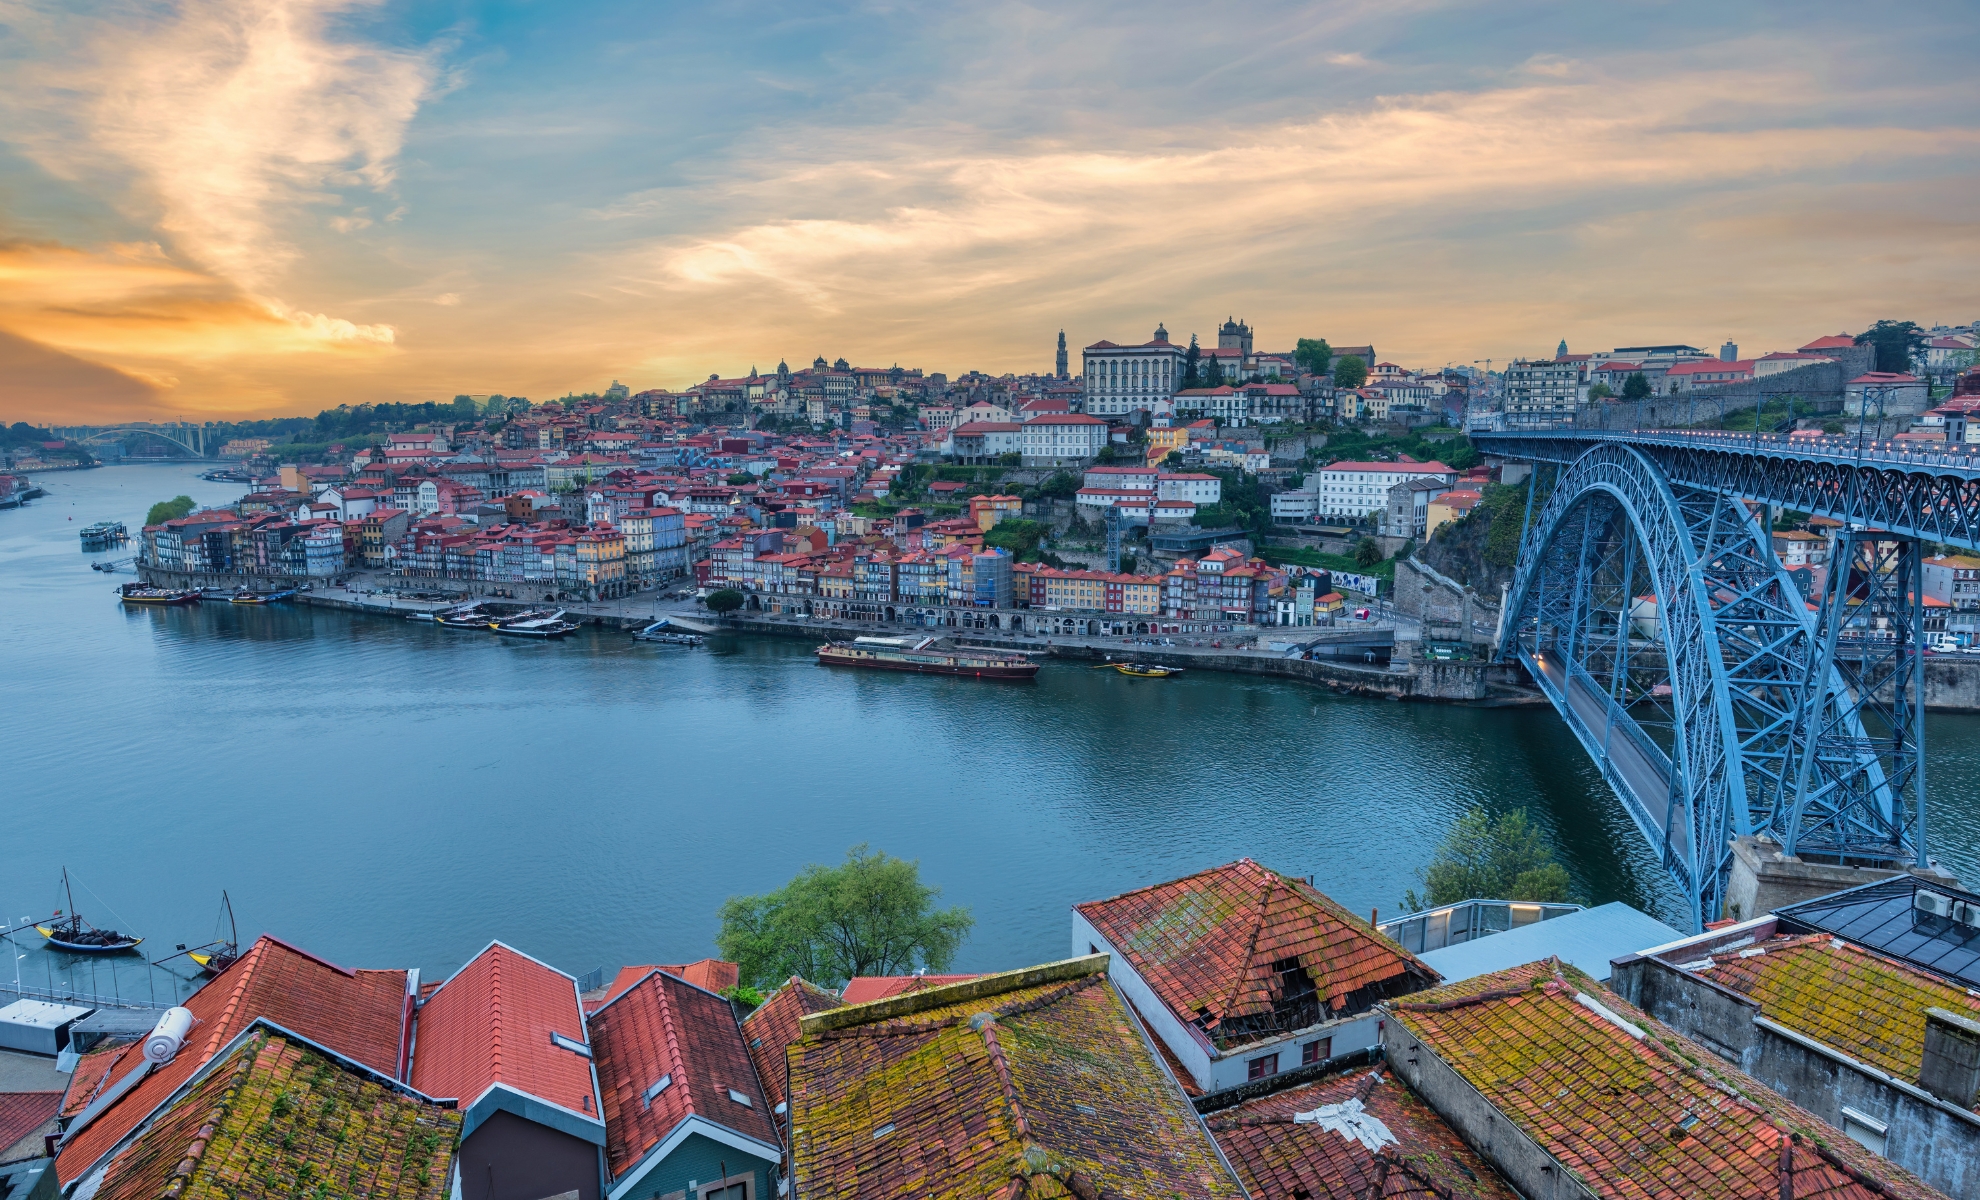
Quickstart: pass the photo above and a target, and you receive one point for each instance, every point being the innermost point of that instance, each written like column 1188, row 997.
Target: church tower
column 1562, row 352
column 1061, row 371
column 1234, row 335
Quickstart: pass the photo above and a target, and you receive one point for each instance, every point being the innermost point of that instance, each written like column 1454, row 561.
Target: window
column 1262, row 1067
column 571, row 1044
column 1317, row 1051
column 1865, row 1130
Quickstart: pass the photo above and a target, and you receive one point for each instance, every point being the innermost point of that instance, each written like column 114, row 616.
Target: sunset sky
column 216, row 208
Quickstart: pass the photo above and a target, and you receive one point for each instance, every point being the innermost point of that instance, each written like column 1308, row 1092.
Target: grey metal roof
column 1586, row 940
column 1884, row 917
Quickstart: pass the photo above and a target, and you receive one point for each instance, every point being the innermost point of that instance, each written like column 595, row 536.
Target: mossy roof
column 1040, row 1091
column 1654, row 1117
column 277, row 1117
column 1277, row 1156
column 1209, row 944
column 1869, row 1007
column 770, row 1030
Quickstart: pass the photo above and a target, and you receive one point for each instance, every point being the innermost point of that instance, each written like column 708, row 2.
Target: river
column 389, row 793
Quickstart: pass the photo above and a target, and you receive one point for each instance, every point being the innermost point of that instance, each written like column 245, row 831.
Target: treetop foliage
column 1490, row 858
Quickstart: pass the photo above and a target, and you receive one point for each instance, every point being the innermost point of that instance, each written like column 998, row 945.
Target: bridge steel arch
column 99, row 435
column 1699, row 724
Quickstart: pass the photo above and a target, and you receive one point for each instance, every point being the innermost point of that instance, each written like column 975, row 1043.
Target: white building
column 1356, row 489
column 1543, row 394
column 1199, row 489
column 1296, row 507
column 1140, row 479
column 1121, row 379
column 1063, row 439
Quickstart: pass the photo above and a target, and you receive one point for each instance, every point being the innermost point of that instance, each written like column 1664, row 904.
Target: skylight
column 666, row 1081
column 571, row 1044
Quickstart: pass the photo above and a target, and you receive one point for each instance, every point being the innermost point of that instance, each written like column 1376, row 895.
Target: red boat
column 899, row 654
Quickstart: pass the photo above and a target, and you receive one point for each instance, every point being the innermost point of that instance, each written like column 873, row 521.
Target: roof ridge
column 1241, row 976
column 245, row 1059
column 669, row 1025
column 986, row 1024
column 224, row 1019
column 495, row 1011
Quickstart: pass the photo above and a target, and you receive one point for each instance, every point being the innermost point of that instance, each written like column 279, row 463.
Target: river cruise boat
column 664, row 633
column 144, row 593
column 471, row 617
column 927, row 658
column 104, row 534
column 534, row 625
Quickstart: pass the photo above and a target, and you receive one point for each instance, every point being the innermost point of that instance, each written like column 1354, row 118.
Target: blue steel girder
column 1735, row 640
column 1932, row 494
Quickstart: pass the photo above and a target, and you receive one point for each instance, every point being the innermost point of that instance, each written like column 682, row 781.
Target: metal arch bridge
column 1717, row 699
column 198, row 436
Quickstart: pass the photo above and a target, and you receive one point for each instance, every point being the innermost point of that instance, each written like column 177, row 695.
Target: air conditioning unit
column 1966, row 914
column 1927, row 901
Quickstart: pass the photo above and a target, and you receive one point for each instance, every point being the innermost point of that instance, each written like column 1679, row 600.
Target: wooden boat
column 144, row 593
column 246, row 597
column 78, row 936
column 216, row 957
column 1146, row 670
column 464, row 618
column 896, row 654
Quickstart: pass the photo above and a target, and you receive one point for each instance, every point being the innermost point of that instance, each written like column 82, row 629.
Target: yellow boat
column 1146, row 670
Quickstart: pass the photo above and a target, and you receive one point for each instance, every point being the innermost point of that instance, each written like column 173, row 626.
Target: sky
column 239, row 208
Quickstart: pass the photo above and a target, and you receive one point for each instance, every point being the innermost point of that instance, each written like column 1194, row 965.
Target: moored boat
column 1146, row 670
column 78, row 936
column 662, row 633
column 144, row 593
column 530, row 625
column 217, row 956
column 927, row 658
column 471, row 617
column 244, row 596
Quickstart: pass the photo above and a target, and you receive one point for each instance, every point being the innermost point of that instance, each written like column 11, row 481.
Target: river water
column 389, row 793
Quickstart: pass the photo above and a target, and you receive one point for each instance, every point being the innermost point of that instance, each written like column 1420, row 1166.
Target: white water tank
column 165, row 1038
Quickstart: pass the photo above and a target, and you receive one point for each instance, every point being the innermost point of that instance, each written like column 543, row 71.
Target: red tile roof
column 862, row 988
column 665, row 1028
column 1648, row 1118
column 493, row 1023
column 359, row 1014
column 1211, row 945
column 772, row 1028
column 1278, row 1156
column 21, row 1113
column 710, row 973
column 1028, row 1085
column 277, row 1114
column 1834, row 341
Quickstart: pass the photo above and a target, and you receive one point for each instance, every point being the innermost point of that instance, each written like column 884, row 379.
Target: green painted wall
column 701, row 1159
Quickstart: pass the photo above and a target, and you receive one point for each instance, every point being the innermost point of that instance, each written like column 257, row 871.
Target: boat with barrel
column 472, row 616
column 928, row 657
column 534, row 625
column 216, row 956
column 144, row 593
column 1145, row 670
column 70, row 932
column 247, row 596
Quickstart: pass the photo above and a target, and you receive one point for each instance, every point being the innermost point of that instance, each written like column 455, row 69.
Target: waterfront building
column 506, row 1037
column 1040, row 1073
column 1357, row 489
column 1264, row 975
column 683, row 1104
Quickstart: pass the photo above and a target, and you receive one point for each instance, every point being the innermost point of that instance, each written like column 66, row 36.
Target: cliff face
column 1482, row 549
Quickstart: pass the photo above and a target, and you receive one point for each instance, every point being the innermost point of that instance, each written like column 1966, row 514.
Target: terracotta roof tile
column 862, row 988
column 665, row 1028
column 359, row 1014
column 711, row 973
column 22, row 1113
column 493, row 1022
column 1211, row 946
column 1869, row 1007
column 772, row 1028
column 1650, row 1118
column 276, row 1117
column 1046, row 1090
column 1277, row 1156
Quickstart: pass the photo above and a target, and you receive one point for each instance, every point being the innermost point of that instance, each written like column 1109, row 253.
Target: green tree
column 1492, row 859
column 169, row 510
column 1897, row 342
column 1601, row 391
column 1063, row 485
column 724, row 600
column 1636, row 387
column 871, row 915
column 1192, row 360
column 1214, row 377
column 1312, row 355
column 1367, row 553
column 1172, row 461
column 740, row 478
column 1350, row 372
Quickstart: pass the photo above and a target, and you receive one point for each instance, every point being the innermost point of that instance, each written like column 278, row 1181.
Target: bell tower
column 1061, row 364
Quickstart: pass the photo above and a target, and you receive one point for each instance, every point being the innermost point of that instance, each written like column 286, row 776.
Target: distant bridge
column 193, row 443
column 1718, row 699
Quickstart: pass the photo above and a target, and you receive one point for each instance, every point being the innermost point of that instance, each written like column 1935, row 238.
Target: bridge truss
column 1715, row 698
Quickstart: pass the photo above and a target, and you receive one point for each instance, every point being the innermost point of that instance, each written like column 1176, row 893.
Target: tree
column 1636, row 387
column 1601, row 391
column 1062, row 485
column 1312, row 355
column 1367, row 553
column 871, row 915
column 1487, row 858
column 724, row 600
column 169, row 510
column 1896, row 342
column 1215, row 376
column 740, row 478
column 1191, row 358
column 1172, row 461
column 1350, row 372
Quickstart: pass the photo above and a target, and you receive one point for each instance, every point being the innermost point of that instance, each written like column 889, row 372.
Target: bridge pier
column 1765, row 878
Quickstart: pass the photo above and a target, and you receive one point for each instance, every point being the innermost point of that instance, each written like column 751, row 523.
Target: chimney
column 1951, row 1070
